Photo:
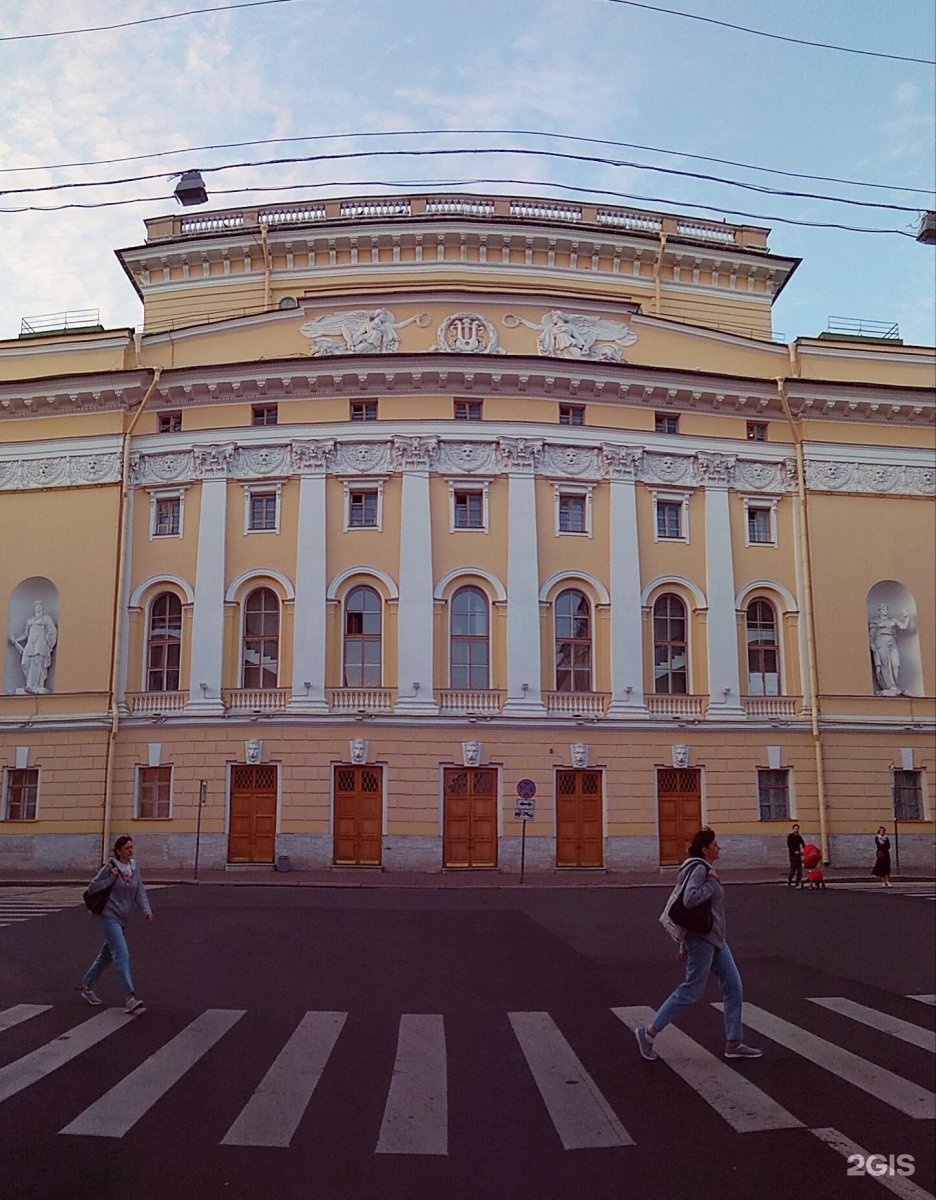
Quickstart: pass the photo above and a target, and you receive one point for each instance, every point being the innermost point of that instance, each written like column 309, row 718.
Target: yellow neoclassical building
column 393, row 505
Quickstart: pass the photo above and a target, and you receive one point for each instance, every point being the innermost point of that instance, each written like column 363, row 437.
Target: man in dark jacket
column 795, row 846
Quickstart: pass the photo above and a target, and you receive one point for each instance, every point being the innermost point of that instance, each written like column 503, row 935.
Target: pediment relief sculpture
column 357, row 331
column 578, row 335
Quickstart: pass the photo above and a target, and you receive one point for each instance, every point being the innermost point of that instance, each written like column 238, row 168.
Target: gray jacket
column 120, row 901
column 701, row 886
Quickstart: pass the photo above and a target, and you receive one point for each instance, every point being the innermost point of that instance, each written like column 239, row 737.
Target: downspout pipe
column 657, row 268
column 809, row 614
column 265, row 246
column 119, row 581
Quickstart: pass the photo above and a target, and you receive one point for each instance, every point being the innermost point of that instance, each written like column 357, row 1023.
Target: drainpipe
column 120, row 575
column 265, row 244
column 806, row 567
column 657, row 267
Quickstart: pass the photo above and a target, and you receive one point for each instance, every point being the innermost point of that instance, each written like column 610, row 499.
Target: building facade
column 392, row 504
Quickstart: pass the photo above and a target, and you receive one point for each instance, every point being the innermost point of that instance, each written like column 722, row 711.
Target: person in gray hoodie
column 122, row 875
column 703, row 954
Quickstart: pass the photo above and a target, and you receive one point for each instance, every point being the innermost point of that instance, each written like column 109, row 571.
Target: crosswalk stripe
column 924, row 999
column 119, row 1109
column 743, row 1105
column 273, row 1112
column 580, row 1113
column 884, row 1085
column 907, row 1032
column 21, row 1012
column 48, row 1058
column 900, row 1185
column 415, row 1119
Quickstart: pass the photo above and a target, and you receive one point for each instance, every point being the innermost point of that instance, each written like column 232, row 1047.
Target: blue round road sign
column 526, row 789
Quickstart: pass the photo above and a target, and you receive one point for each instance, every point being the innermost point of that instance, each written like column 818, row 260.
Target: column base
column 413, row 706
column 307, row 704
column 204, row 708
column 524, row 708
column 621, row 708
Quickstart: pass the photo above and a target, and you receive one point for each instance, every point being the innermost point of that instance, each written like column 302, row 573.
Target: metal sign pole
column 522, row 849
column 896, row 831
column 202, row 793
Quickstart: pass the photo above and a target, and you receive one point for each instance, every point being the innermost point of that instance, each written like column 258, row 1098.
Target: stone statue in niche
column 358, row 331
column 253, row 751
column 579, row 755
column 578, row 335
column 471, row 754
column 359, row 751
column 885, row 654
column 680, row 756
column 36, row 646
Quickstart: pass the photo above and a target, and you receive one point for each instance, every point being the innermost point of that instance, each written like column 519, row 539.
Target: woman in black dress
column 882, row 866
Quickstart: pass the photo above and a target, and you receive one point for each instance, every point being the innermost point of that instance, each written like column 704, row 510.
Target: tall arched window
column 261, row 640
column 468, row 640
column 164, row 644
column 362, row 638
column 762, row 649
column 573, row 642
column 670, row 650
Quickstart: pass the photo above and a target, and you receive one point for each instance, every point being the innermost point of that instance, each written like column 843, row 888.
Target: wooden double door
column 469, row 835
column 252, row 825
column 679, row 805
column 579, row 819
column 358, row 823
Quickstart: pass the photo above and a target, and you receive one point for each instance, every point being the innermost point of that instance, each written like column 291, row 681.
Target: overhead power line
column 477, row 150
column 393, row 133
column 189, row 12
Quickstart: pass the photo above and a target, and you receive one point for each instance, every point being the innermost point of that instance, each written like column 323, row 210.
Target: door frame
column 703, row 816
column 603, row 774
column 229, row 766
column 498, row 811
column 333, row 766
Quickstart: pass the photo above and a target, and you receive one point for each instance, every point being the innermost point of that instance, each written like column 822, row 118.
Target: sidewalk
column 376, row 877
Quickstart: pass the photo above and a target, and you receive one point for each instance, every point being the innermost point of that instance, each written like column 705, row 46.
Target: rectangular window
column 666, row 423
column 363, row 410
column 468, row 410
column 757, row 431
column 669, row 518
column 362, row 509
column 262, row 511
column 469, row 510
column 264, row 414
column 168, row 517
column 170, row 422
column 908, row 796
column 154, row 790
column 760, row 525
column 571, row 414
column 572, row 514
column 773, row 795
column 21, row 793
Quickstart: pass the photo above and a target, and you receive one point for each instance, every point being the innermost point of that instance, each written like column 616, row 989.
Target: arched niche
column 893, row 640
column 21, row 619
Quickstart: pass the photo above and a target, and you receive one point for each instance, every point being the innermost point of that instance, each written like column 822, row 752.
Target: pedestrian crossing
column 415, row 1118
column 917, row 889
column 26, row 904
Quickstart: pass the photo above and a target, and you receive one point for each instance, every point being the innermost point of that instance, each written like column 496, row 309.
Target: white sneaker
column 91, row 997
column 134, row 1005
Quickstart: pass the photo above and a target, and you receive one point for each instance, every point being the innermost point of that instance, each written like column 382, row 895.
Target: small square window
column 469, row 509
column 908, row 795
column 154, row 792
column 363, row 410
column 362, row 508
column 757, row 431
column 572, row 516
column 468, row 410
column 773, row 795
column 264, row 414
column 22, row 790
column 170, row 422
column 666, row 423
column 168, row 517
column 571, row 414
column 669, row 518
column 262, row 511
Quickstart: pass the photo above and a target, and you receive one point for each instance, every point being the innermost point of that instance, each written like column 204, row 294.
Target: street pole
column 202, row 793
column 522, row 849
column 896, row 831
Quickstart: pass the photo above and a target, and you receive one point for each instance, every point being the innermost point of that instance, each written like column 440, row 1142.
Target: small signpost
column 524, row 810
column 202, row 794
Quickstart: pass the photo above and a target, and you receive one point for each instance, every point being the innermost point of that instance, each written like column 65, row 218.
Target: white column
column 309, row 626
column 413, row 456
column 717, row 471
column 627, row 676
column 520, row 457
column 211, row 466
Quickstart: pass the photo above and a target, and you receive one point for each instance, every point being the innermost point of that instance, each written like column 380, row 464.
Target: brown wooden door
column 579, row 819
column 252, row 830
column 358, row 824
column 679, row 802
column 470, row 817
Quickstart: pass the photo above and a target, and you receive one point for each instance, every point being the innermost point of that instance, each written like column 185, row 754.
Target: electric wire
column 190, row 12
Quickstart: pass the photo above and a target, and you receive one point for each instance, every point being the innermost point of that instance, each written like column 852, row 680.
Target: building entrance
column 470, row 817
column 679, row 805
column 252, row 828
column 358, row 824
column 579, row 819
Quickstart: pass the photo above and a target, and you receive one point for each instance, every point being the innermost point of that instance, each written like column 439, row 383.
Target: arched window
column 670, row 650
column 762, row 649
column 164, row 644
column 261, row 640
column 573, row 642
column 468, row 640
column 362, row 638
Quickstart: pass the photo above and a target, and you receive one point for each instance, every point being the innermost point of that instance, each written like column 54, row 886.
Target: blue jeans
column 703, row 959
column 114, row 950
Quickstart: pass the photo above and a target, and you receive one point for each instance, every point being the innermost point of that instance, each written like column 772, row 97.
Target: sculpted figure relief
column 578, row 335
column 36, row 646
column 882, row 634
column 358, row 331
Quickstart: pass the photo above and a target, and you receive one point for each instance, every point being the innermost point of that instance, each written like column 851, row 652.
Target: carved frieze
column 669, row 469
column 622, row 462
column 414, row 453
column 467, row 456
column 467, row 333
column 357, row 331
column 757, row 476
column 520, row 454
column 362, row 458
column 576, row 461
column 317, row 454
column 578, row 335
column 260, row 462
column 717, row 470
column 214, row 462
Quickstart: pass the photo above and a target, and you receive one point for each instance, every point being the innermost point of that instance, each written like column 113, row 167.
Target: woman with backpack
column 703, row 953
column 120, row 876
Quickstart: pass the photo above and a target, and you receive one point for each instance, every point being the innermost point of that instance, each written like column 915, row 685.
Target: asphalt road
column 464, row 1045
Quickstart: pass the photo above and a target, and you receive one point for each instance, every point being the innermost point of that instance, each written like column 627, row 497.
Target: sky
column 351, row 77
